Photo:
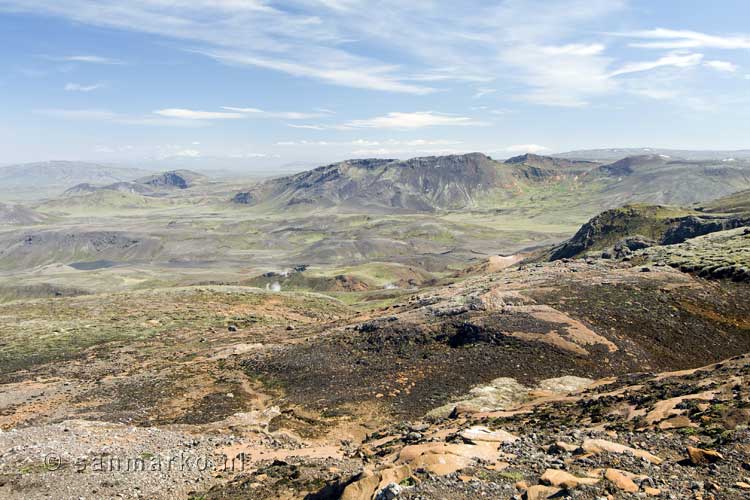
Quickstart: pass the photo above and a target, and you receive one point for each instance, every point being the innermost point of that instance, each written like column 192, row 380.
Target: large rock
column 363, row 488
column 394, row 475
column 621, row 480
column 699, row 456
column 562, row 479
column 540, row 492
column 478, row 434
column 602, row 445
column 444, row 458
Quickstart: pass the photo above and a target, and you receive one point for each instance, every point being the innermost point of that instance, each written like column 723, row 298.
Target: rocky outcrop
column 621, row 231
column 549, row 162
column 176, row 179
column 179, row 179
column 244, row 198
column 692, row 226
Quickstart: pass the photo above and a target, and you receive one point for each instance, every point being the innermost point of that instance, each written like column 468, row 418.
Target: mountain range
column 476, row 181
column 611, row 154
column 150, row 184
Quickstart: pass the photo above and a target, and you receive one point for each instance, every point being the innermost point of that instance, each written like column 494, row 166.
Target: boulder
column 621, row 480
column 562, row 447
column 363, row 488
column 480, row 434
column 560, row 478
column 394, row 475
column 699, row 456
column 540, row 492
column 602, row 445
column 390, row 492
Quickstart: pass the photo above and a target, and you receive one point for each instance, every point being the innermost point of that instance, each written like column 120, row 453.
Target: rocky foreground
column 669, row 435
column 546, row 380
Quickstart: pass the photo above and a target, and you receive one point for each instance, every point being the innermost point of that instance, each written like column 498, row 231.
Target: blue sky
column 262, row 82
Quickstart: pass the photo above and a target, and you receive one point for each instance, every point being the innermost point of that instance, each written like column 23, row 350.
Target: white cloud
column 561, row 75
column 419, row 119
column 483, row 91
column 339, row 4
column 725, row 66
column 526, row 148
column 401, row 152
column 443, row 42
column 364, row 76
column 548, row 52
column 90, row 59
column 190, row 114
column 285, row 115
column 111, row 116
column 659, row 94
column 674, row 60
column 307, row 127
column 685, row 39
column 76, row 87
column 188, row 153
column 574, row 49
column 365, row 143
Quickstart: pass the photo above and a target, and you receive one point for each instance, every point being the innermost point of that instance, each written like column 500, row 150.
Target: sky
column 258, row 83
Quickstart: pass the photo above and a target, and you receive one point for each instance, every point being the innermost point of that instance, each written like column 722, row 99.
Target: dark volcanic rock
column 180, row 179
column 690, row 227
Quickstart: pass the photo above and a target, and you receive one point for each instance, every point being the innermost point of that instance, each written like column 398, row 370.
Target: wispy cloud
column 674, row 60
column 399, row 121
column 725, row 66
column 89, row 59
column 547, row 52
column 104, row 115
column 373, row 143
column 526, row 148
column 77, row 87
column 191, row 114
column 483, row 91
column 284, row 115
column 685, row 39
column 363, row 76
column 419, row 119
column 307, row 127
column 441, row 43
column 236, row 113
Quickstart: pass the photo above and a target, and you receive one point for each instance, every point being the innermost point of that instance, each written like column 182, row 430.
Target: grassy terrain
column 41, row 330
column 724, row 254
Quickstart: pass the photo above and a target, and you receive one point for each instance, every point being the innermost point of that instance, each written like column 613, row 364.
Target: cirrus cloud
column 419, row 119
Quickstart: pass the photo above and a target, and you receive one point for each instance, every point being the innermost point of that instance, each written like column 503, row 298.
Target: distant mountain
column 661, row 179
column 176, row 179
column 608, row 155
column 180, row 179
column 539, row 161
column 477, row 181
column 421, row 184
column 122, row 187
column 65, row 173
